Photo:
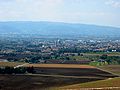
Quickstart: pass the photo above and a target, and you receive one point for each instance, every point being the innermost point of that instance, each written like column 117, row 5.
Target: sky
column 98, row 12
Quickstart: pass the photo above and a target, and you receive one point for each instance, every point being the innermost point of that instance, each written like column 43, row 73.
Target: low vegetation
column 115, row 69
column 47, row 76
column 19, row 70
column 103, row 84
column 108, row 84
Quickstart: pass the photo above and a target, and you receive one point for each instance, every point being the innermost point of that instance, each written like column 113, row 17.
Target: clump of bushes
column 20, row 70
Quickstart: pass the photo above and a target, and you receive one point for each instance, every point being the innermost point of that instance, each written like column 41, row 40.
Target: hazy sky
column 99, row 12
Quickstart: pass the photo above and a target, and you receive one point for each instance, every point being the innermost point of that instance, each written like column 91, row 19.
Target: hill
column 56, row 28
column 109, row 84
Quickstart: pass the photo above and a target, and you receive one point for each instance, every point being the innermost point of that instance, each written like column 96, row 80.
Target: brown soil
column 45, row 78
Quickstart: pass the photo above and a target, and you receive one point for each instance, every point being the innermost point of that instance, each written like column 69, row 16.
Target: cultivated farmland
column 109, row 84
column 48, row 76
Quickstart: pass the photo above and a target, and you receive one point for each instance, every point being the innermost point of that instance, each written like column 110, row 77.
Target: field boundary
column 103, row 88
column 108, row 71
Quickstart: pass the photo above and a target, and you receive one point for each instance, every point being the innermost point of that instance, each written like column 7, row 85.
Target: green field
column 93, row 55
column 78, row 58
column 101, row 53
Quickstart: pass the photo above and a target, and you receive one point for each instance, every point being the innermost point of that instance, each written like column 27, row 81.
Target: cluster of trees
column 53, row 56
column 74, row 50
column 20, row 70
column 111, row 59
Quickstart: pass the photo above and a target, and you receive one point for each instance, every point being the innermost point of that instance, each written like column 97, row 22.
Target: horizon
column 92, row 12
column 65, row 23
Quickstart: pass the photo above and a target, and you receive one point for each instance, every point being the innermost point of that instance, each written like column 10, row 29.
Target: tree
column 108, row 61
column 30, row 69
column 104, row 56
column 67, row 58
column 8, row 70
column 20, row 70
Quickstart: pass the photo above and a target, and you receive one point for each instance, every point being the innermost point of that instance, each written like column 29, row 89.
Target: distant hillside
column 56, row 28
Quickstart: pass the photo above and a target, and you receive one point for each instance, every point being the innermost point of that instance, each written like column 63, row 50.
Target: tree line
column 20, row 70
column 111, row 59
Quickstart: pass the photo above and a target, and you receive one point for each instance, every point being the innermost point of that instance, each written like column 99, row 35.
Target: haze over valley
column 56, row 28
column 59, row 44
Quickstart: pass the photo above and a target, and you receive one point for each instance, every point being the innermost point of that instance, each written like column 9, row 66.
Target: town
column 37, row 49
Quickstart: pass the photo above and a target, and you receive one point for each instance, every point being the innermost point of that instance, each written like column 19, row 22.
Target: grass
column 115, row 82
column 56, row 75
column 96, row 63
column 78, row 58
column 115, row 69
column 101, row 53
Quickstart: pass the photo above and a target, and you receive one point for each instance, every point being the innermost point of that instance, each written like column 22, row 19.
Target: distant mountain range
column 56, row 28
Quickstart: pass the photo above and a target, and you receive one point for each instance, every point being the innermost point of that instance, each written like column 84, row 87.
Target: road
column 20, row 65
